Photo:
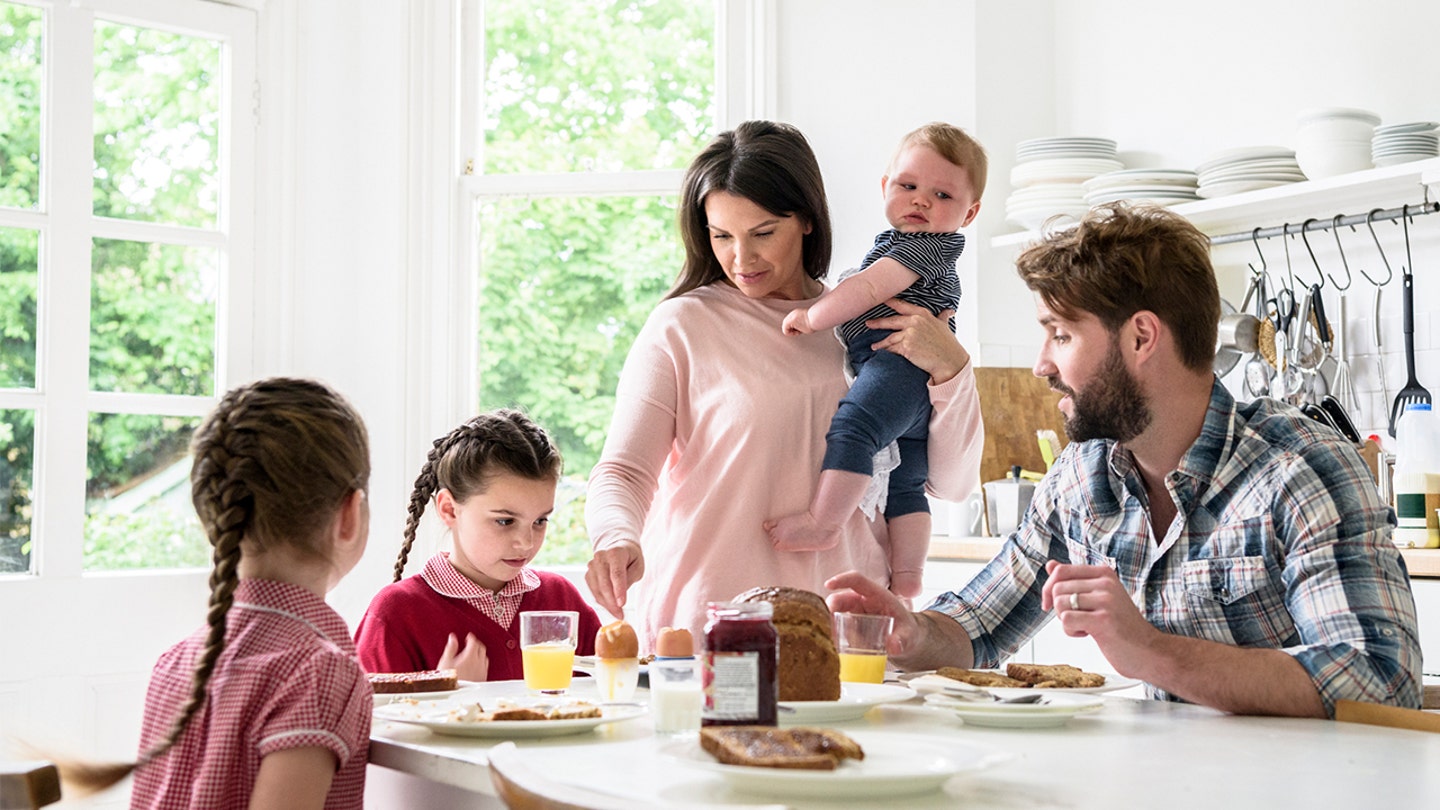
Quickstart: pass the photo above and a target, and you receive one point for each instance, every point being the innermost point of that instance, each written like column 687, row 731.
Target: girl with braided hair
column 267, row 705
column 493, row 481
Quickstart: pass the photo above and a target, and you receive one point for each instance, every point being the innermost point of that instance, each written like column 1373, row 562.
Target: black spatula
column 1413, row 393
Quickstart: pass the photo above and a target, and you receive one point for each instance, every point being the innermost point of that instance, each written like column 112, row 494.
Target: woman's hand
column 610, row 574
column 471, row 663
column 923, row 339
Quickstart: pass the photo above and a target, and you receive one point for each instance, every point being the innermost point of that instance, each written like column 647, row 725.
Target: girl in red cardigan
column 493, row 483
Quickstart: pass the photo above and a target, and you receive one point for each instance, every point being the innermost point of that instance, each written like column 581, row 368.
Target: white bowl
column 1330, row 161
column 1339, row 129
column 1324, row 113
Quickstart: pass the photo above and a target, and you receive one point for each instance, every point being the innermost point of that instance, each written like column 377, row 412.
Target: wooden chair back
column 28, row 785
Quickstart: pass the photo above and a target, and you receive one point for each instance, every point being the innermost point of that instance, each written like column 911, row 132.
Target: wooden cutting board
column 1014, row 403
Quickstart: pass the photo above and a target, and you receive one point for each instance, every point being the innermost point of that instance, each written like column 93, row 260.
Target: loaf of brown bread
column 764, row 747
column 809, row 663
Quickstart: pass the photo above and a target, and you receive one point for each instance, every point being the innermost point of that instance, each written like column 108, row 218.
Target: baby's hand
column 797, row 322
column 470, row 664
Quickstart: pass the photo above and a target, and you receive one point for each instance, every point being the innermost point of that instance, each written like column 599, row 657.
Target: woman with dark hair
column 720, row 418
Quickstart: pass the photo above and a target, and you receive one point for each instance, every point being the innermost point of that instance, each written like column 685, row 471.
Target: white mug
column 967, row 517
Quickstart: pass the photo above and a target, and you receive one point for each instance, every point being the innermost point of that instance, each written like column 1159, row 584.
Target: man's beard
column 1112, row 406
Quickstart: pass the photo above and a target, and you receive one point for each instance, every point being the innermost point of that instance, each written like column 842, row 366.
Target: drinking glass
column 860, row 639
column 547, row 649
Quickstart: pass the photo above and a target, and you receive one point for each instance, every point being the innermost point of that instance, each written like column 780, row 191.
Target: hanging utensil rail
column 1292, row 228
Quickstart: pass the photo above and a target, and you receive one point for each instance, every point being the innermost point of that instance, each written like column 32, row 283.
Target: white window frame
column 62, row 399
column 744, row 89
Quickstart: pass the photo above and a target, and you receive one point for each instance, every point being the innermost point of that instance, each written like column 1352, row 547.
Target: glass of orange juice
column 860, row 639
column 547, row 649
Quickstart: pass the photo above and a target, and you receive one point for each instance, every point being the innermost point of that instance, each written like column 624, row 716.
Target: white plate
column 894, row 765
column 855, row 700
column 1417, row 126
column 433, row 718
column 1057, row 710
column 1245, row 153
column 1393, row 160
column 927, row 683
column 586, row 664
column 1212, row 190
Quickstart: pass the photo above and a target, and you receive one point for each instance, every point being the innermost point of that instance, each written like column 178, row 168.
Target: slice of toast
column 978, row 678
column 802, row 747
column 519, row 713
column 1054, row 676
column 574, row 711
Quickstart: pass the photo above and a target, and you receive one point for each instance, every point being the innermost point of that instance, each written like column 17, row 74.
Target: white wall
column 1173, row 87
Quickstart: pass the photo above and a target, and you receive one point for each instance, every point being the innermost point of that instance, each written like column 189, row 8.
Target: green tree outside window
column 566, row 282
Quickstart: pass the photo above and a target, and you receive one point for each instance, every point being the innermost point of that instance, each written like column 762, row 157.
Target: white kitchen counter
column 1131, row 753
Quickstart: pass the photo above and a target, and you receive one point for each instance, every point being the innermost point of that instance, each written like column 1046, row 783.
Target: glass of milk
column 675, row 696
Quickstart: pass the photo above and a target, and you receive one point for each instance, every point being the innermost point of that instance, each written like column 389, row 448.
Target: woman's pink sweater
column 719, row 425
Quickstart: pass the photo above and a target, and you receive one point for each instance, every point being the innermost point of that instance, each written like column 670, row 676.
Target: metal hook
column 1255, row 238
column 1320, row 274
column 1289, row 269
column 1389, row 274
column 1409, row 268
column 1349, row 279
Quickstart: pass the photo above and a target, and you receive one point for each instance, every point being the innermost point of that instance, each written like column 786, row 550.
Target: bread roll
column 809, row 664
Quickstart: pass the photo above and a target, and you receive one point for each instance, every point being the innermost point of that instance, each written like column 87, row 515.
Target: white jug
column 1005, row 504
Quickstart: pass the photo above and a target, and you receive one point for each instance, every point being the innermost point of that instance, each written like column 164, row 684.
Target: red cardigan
column 407, row 624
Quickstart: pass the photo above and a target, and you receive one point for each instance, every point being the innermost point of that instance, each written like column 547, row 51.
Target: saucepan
column 1239, row 334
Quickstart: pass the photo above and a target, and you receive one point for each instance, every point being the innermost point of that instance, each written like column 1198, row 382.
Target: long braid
column 426, row 485
column 226, row 507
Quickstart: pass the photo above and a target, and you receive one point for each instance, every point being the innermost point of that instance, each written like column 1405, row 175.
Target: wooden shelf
column 1353, row 193
column 1421, row 562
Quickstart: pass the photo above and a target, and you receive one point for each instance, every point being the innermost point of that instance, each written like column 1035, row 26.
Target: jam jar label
column 732, row 686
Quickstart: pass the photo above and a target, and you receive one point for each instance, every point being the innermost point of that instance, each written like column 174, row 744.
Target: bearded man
column 1234, row 555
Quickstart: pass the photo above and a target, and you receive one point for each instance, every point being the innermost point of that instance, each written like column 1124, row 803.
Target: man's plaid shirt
column 1280, row 540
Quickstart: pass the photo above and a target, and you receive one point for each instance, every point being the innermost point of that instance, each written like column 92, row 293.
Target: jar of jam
column 740, row 665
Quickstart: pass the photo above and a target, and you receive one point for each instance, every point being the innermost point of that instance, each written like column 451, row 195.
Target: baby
column 932, row 189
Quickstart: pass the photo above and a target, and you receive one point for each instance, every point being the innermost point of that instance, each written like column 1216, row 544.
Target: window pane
column 152, row 318
column 565, row 285
column 19, row 263
column 597, row 85
column 138, row 512
column 17, row 475
column 157, row 123
column 20, row 49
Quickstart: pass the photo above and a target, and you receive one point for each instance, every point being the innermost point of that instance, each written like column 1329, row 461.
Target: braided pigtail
column 225, row 460
column 426, row 485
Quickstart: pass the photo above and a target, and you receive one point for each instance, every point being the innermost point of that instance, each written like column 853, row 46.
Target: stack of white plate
column 1402, row 143
column 1247, row 168
column 1334, row 140
column 1048, row 174
column 1157, row 186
